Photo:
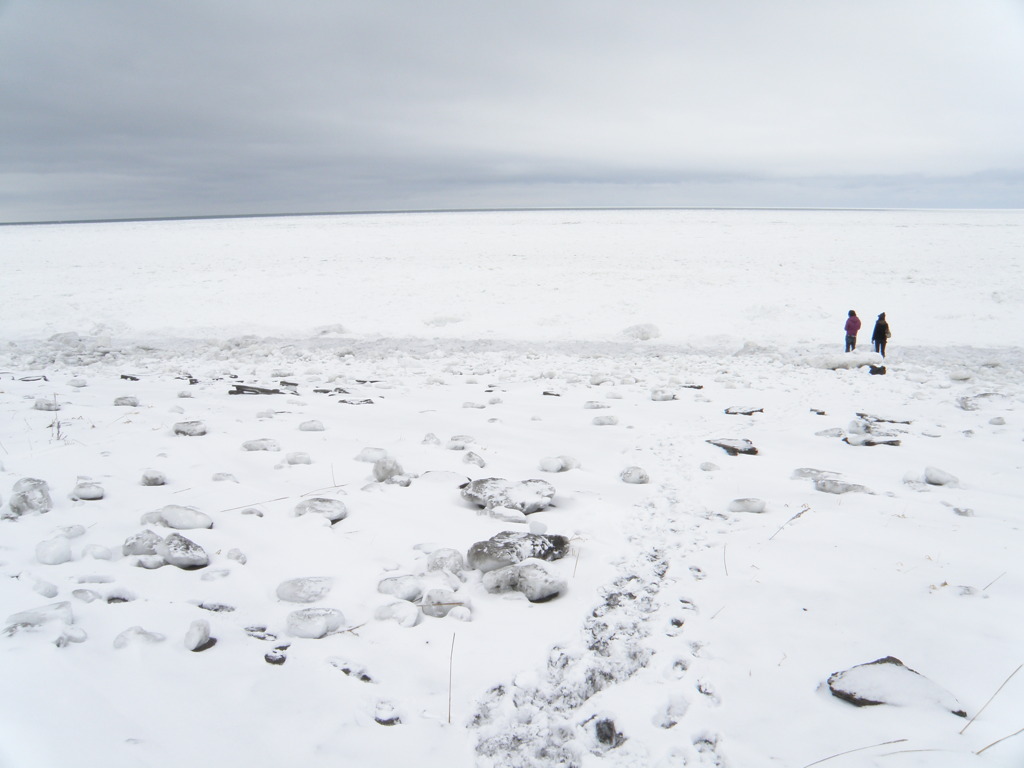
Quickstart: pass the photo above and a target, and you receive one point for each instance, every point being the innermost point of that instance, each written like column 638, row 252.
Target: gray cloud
column 115, row 108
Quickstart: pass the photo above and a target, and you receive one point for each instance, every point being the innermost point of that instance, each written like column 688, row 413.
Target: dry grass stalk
column 851, row 751
column 1015, row 733
column 990, row 699
column 451, row 659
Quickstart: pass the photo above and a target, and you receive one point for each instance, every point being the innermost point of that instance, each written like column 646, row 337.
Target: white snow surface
column 688, row 634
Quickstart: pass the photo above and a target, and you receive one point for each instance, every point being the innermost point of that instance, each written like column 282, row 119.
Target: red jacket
column 852, row 326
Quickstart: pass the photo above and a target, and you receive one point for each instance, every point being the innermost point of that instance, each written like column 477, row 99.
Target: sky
column 122, row 109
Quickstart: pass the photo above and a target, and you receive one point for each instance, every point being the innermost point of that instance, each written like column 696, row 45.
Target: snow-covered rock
column 557, row 464
column 634, row 476
column 297, row 457
column 153, row 477
column 889, row 681
column 181, row 552
column 528, row 496
column 605, row 421
column 642, row 332
column 31, row 495
column 445, row 559
column 403, row 613
column 197, row 638
column 735, row 446
column 371, row 455
column 178, row 517
column 474, row 458
column 137, row 636
column 87, row 491
column 141, row 543
column 54, row 551
column 333, row 509
column 126, row 401
column 512, row 547
column 35, row 618
column 314, row 622
column 313, row 425
column 833, row 485
column 936, row 476
column 46, row 404
column 386, row 468
column 438, row 602
column 747, row 505
column 262, row 444
column 306, row 589
column 530, row 579
column 189, row 428
column 403, row 587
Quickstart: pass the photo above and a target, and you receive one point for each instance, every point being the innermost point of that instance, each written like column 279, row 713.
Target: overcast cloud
column 122, row 108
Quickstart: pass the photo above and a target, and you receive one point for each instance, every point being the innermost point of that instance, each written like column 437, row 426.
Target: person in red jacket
column 852, row 326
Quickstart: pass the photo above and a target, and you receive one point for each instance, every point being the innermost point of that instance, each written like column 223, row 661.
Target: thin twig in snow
column 451, row 659
column 851, row 751
column 724, row 561
column 794, row 517
column 997, row 578
column 1015, row 733
column 990, row 699
column 319, row 490
column 244, row 506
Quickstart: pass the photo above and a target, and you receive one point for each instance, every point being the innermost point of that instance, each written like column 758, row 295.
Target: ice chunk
column 315, row 622
column 333, row 509
column 31, row 495
column 137, row 636
column 198, row 636
column 307, row 589
column 178, row 517
column 634, row 475
column 54, row 551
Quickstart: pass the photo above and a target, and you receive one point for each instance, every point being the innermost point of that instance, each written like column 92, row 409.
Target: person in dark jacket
column 852, row 326
column 881, row 334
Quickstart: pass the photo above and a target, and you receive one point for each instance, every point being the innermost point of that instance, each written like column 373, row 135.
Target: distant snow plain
column 690, row 630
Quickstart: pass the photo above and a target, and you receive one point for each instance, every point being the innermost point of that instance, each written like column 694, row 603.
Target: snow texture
column 678, row 632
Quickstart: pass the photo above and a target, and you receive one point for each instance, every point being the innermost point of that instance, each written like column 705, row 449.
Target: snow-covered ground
column 698, row 617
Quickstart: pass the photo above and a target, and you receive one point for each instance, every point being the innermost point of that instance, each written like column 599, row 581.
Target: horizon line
column 518, row 209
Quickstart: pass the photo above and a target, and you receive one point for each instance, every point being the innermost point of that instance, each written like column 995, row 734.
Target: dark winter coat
column 881, row 332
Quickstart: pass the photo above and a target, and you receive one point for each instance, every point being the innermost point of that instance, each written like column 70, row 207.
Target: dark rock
column 735, row 446
column 190, row 428
column 386, row 714
column 740, row 410
column 870, row 441
column 259, row 632
column 245, row 389
column 879, row 419
column 876, row 370
column 512, row 547
column 278, row 656
column 606, row 734
column 217, row 607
